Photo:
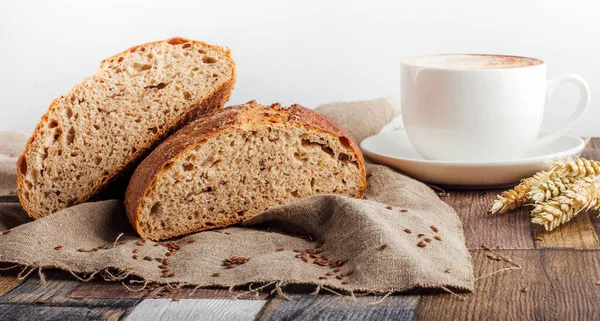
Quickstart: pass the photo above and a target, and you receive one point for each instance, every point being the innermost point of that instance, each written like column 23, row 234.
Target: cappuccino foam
column 464, row 61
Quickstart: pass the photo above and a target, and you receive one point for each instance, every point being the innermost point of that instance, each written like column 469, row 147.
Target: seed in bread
column 111, row 120
column 235, row 163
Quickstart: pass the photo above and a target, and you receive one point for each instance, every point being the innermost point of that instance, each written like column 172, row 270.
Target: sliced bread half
column 111, row 120
column 235, row 163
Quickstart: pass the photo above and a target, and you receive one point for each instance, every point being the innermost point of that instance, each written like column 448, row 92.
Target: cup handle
column 582, row 107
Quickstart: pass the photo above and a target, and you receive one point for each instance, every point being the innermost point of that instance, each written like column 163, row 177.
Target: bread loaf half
column 235, row 163
column 110, row 120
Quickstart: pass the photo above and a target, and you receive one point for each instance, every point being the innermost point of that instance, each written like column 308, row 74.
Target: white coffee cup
column 461, row 107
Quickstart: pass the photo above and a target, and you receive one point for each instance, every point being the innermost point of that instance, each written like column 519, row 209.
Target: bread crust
column 210, row 102
column 209, row 125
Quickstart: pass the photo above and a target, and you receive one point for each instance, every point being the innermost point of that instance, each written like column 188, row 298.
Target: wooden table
column 559, row 280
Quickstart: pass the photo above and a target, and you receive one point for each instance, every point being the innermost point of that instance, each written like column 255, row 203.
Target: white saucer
column 394, row 149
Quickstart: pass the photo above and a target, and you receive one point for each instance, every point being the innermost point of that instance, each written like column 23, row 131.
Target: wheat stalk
column 582, row 195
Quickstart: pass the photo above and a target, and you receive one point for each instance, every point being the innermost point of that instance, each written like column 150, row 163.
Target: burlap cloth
column 378, row 236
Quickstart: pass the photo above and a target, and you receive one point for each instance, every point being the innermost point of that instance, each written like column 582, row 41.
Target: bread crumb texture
column 238, row 162
column 114, row 117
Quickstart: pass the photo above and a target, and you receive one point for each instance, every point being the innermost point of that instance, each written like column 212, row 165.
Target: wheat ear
column 550, row 188
column 582, row 195
column 575, row 167
column 518, row 196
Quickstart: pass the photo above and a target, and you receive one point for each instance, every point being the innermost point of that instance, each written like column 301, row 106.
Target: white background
column 307, row 52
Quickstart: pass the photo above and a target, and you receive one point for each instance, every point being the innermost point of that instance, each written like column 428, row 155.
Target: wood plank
column 553, row 284
column 115, row 290
column 12, row 215
column 56, row 291
column 9, row 278
column 573, row 290
column 8, row 282
column 493, row 230
column 331, row 307
column 495, row 298
column 196, row 309
column 9, row 199
column 579, row 233
column 593, row 143
column 57, row 286
column 591, row 154
column 24, row 312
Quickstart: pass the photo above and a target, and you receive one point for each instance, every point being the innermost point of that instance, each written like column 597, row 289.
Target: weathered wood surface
column 506, row 231
column 197, row 309
column 8, row 279
column 332, row 307
column 552, row 285
column 41, row 312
